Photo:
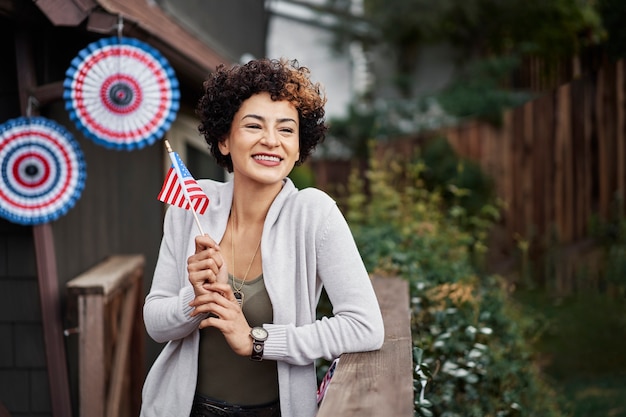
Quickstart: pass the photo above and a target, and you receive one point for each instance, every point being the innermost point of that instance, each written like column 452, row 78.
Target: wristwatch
column 259, row 336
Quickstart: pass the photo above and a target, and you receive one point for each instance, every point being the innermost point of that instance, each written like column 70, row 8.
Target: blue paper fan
column 121, row 93
column 43, row 170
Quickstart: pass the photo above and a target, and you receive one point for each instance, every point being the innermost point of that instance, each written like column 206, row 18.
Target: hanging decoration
column 42, row 168
column 121, row 93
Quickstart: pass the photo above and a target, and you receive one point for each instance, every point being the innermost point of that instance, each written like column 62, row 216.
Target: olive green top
column 222, row 374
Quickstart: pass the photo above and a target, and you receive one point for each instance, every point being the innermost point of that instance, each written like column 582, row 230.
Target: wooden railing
column 108, row 300
column 379, row 383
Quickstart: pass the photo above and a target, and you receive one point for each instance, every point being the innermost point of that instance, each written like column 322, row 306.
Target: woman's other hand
column 225, row 314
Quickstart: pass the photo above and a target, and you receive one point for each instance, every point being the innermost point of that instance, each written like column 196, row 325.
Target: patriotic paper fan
column 121, row 93
column 42, row 168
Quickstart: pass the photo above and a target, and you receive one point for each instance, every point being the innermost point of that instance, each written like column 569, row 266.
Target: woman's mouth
column 267, row 158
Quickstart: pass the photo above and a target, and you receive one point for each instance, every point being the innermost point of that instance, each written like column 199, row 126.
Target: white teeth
column 267, row 158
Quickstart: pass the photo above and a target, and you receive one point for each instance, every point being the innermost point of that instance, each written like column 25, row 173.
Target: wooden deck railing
column 108, row 301
column 380, row 383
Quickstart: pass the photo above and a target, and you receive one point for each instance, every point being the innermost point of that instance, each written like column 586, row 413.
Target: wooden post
column 122, row 352
column 47, row 279
column 379, row 383
column 91, row 358
column 52, row 326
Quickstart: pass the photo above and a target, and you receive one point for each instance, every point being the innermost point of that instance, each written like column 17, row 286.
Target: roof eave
column 142, row 19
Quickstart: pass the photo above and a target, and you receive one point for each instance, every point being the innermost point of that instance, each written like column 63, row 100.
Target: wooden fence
column 557, row 161
column 380, row 383
column 109, row 300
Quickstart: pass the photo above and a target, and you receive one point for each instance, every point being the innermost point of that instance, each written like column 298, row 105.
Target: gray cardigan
column 306, row 244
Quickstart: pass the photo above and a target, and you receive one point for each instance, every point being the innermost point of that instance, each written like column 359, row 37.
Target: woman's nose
column 270, row 138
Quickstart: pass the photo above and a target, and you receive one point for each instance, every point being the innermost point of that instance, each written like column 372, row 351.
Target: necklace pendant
column 239, row 297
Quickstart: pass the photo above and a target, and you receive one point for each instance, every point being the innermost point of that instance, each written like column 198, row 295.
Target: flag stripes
column 173, row 193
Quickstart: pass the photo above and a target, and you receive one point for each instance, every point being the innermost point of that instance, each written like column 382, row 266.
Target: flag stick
column 180, row 178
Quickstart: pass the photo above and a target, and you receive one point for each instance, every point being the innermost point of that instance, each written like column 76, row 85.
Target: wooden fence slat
column 569, row 169
column 543, row 181
column 609, row 171
column 379, row 383
column 564, row 172
column 590, row 177
column 601, row 135
column 558, row 191
column 539, row 153
column 620, row 133
column 516, row 211
column 527, row 170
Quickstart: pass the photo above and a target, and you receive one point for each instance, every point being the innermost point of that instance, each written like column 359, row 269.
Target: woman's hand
column 206, row 265
column 225, row 315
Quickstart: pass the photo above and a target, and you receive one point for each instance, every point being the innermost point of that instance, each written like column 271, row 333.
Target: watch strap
column 257, row 350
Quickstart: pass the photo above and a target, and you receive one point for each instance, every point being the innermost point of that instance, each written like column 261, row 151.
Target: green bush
column 470, row 343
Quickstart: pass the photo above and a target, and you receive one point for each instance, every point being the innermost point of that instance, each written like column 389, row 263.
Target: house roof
column 142, row 19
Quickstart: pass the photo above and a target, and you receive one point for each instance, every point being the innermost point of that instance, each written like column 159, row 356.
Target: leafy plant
column 481, row 28
column 479, row 91
column 612, row 13
column 471, row 355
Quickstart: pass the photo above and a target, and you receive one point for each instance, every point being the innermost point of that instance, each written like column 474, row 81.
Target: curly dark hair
column 227, row 88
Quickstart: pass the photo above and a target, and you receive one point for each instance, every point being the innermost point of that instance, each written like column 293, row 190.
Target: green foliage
column 612, row 13
column 479, row 29
column 611, row 235
column 448, row 171
column 302, row 176
column 354, row 129
column 483, row 27
column 478, row 93
column 471, row 355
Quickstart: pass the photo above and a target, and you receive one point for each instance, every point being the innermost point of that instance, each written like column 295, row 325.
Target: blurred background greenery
column 487, row 342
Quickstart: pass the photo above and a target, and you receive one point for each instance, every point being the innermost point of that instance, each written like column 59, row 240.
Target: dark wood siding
column 117, row 213
column 23, row 376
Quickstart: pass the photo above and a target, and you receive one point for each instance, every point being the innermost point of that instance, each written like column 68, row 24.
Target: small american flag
column 173, row 192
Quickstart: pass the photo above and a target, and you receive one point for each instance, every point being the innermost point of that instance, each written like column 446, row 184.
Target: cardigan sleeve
column 356, row 324
column 166, row 309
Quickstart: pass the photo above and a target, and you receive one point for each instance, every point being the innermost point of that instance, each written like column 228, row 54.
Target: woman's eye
column 286, row 130
column 254, row 126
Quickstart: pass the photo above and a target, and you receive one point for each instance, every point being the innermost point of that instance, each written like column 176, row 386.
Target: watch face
column 259, row 333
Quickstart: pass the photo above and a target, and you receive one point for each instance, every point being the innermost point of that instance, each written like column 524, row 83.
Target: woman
column 239, row 316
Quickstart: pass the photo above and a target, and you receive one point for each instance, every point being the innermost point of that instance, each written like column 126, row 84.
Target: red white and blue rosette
column 42, row 168
column 121, row 93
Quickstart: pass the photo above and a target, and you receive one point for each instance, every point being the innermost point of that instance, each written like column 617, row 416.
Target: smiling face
column 264, row 140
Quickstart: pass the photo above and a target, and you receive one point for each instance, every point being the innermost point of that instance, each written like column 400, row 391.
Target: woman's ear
column 224, row 147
